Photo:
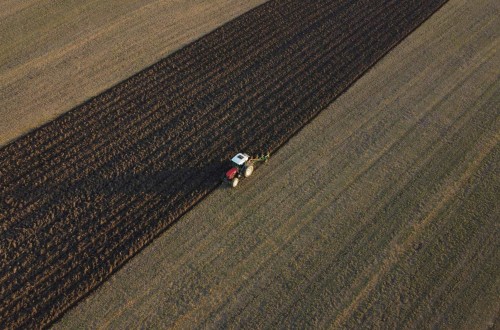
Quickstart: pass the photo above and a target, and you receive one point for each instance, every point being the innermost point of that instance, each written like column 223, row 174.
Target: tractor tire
column 248, row 171
column 234, row 182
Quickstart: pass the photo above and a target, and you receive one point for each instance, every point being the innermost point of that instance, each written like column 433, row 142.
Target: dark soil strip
column 82, row 194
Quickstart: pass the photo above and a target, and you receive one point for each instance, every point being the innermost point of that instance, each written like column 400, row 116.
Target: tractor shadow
column 165, row 183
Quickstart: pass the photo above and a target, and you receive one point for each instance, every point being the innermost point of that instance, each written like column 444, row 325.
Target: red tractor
column 242, row 166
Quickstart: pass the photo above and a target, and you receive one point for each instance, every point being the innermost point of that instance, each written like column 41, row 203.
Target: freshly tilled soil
column 82, row 194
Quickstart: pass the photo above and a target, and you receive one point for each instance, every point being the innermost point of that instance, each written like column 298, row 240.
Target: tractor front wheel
column 248, row 171
column 234, row 182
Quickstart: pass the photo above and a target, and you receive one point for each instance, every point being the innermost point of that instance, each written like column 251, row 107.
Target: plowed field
column 380, row 213
column 84, row 193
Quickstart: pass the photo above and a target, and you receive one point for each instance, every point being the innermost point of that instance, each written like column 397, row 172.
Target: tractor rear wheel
column 234, row 182
column 248, row 171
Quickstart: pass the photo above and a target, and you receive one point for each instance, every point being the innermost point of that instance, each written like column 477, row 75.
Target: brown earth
column 55, row 56
column 84, row 193
column 381, row 213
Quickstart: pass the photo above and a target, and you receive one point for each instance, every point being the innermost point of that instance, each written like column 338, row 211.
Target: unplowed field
column 84, row 193
column 57, row 54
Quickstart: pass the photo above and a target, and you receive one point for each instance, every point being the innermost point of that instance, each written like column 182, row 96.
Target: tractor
column 243, row 166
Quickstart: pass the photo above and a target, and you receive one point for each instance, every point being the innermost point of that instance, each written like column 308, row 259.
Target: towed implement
column 242, row 167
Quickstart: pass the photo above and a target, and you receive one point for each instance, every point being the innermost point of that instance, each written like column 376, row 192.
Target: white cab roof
column 240, row 159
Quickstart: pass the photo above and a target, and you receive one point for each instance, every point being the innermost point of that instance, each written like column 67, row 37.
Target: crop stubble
column 84, row 193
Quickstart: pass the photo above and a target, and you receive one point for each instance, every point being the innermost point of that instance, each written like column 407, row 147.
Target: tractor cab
column 239, row 160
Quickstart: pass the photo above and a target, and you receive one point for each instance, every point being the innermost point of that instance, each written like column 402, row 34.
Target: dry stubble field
column 54, row 56
column 381, row 212
column 84, row 193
